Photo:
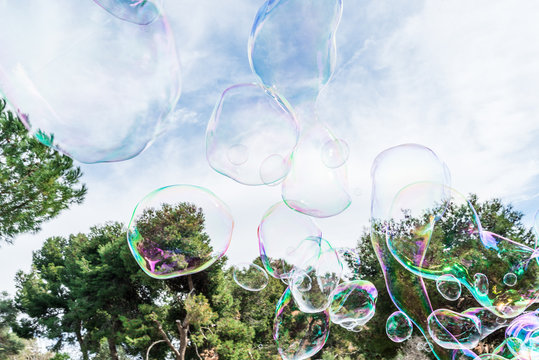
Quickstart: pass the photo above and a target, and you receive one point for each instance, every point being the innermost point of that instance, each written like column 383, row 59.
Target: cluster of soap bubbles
column 414, row 230
column 95, row 80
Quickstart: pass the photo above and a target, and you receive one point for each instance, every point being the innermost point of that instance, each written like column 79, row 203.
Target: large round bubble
column 452, row 330
column 298, row 335
column 353, row 302
column 281, row 234
column 251, row 135
column 85, row 82
column 398, row 327
column 179, row 230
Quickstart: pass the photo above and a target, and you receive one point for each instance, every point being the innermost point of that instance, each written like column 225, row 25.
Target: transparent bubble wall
column 94, row 80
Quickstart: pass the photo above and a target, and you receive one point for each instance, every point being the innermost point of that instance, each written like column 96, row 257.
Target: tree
column 10, row 344
column 36, row 182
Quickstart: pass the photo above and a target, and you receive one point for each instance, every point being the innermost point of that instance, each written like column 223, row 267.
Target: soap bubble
column 292, row 46
column 489, row 322
column 281, row 234
column 86, row 83
column 430, row 243
column 179, row 230
column 314, row 279
column 351, row 263
column 335, row 153
column 250, row 276
column 510, row 279
column 141, row 12
column 398, row 327
column 481, row 284
column 311, row 187
column 452, row 330
column 298, row 335
column 353, row 303
column 251, row 135
column 524, row 330
column 449, row 287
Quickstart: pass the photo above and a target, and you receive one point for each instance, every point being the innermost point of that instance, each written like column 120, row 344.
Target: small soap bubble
column 273, row 169
column 335, row 153
column 298, row 335
column 250, row 276
column 398, row 327
column 179, row 230
column 238, row 154
column 481, row 283
column 449, row 287
column 510, row 279
column 353, row 303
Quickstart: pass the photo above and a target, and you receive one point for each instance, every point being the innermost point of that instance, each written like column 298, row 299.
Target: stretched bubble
column 453, row 330
column 510, row 279
column 250, row 276
column 398, row 327
column 449, row 287
column 489, row 321
column 298, row 335
column 351, row 263
column 353, row 303
column 311, row 187
column 316, row 277
column 292, row 46
column 481, row 284
column 425, row 239
column 281, row 235
column 140, row 12
column 86, row 83
column 251, row 135
column 179, row 230
column 335, row 153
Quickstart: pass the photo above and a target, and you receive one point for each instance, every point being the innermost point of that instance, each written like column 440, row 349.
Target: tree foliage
column 36, row 182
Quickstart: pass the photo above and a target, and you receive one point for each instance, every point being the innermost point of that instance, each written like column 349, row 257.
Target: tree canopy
column 36, row 182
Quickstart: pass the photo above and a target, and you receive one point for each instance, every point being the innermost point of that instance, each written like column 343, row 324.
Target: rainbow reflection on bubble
column 398, row 327
column 353, row 303
column 164, row 251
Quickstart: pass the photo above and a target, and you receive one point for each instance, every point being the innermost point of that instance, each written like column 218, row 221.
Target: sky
column 458, row 77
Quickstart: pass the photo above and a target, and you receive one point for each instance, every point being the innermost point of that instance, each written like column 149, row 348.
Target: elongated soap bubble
column 281, row 235
column 353, row 303
column 430, row 244
column 398, row 327
column 140, row 12
column 250, row 276
column 315, row 278
column 311, row 187
column 453, row 330
column 449, row 287
column 488, row 320
column 481, row 284
column 84, row 82
column 179, row 230
column 298, row 335
column 251, row 135
column 292, row 46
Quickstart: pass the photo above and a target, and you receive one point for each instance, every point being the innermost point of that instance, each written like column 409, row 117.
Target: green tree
column 36, row 182
column 10, row 344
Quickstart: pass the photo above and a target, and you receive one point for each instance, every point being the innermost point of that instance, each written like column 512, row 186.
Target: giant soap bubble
column 86, row 82
column 179, row 230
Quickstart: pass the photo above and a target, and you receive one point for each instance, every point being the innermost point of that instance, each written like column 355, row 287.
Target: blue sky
column 459, row 77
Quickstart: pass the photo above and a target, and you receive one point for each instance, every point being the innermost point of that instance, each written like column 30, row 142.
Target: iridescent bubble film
column 525, row 328
column 85, row 82
column 140, row 12
column 453, row 330
column 200, row 235
column 398, row 327
column 250, row 276
column 292, row 46
column 298, row 335
column 251, row 135
column 353, row 303
column 281, row 234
